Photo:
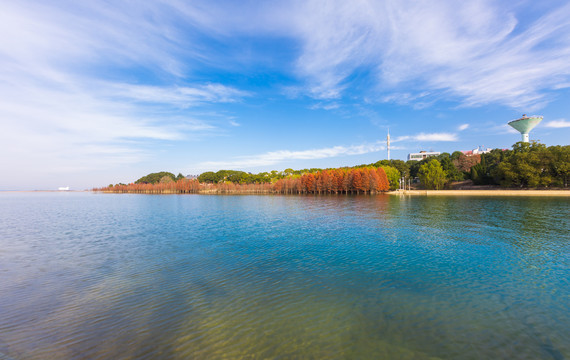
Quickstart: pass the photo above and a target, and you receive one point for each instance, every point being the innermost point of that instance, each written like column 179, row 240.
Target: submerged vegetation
column 526, row 165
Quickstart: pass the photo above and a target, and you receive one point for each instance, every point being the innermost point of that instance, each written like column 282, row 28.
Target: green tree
column 393, row 176
column 154, row 178
column 432, row 175
column 474, row 174
column 527, row 165
column 415, row 165
column 560, row 166
column 456, row 155
column 443, row 155
column 208, row 177
column 166, row 179
column 452, row 173
column 399, row 165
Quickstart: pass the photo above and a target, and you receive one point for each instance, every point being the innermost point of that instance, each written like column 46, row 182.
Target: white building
column 478, row 151
column 422, row 155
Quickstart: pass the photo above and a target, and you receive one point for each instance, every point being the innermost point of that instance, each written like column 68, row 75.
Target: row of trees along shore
column 361, row 180
column 527, row 165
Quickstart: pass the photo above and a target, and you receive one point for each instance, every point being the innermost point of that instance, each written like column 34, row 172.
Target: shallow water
column 118, row 276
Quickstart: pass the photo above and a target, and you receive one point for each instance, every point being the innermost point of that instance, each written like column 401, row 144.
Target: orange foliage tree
column 332, row 181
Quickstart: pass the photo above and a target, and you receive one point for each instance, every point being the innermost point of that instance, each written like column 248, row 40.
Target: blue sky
column 93, row 93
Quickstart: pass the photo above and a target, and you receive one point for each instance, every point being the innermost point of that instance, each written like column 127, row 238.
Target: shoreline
column 498, row 192
column 474, row 192
column 43, row 191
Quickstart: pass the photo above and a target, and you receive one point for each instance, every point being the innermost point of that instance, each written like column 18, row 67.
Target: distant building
column 191, row 177
column 422, row 155
column 477, row 151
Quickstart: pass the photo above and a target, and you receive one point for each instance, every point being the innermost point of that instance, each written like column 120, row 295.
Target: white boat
column 63, row 188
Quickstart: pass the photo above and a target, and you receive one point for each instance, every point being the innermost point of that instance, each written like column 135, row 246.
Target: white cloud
column 500, row 129
column 463, row 127
column 560, row 123
column 275, row 157
column 406, row 98
column 435, row 137
column 325, row 106
column 68, row 103
column 182, row 96
column 478, row 52
column 64, row 109
column 84, row 34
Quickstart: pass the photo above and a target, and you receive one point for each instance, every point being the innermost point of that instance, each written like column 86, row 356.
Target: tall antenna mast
column 388, row 143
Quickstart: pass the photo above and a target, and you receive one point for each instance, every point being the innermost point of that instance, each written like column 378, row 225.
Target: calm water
column 100, row 276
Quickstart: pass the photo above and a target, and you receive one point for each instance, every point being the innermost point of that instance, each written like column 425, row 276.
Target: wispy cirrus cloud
column 88, row 84
column 276, row 157
column 182, row 96
column 463, row 127
column 76, row 36
column 434, row 137
column 476, row 52
column 558, row 124
column 325, row 106
column 69, row 105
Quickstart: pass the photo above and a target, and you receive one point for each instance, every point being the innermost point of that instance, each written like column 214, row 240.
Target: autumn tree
column 393, row 176
column 356, row 180
column 309, row 182
column 399, row 165
column 383, row 182
column 463, row 162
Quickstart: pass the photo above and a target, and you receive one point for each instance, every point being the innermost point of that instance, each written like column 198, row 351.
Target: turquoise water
column 104, row 276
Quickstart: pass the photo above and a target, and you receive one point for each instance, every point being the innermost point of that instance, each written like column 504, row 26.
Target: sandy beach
column 563, row 193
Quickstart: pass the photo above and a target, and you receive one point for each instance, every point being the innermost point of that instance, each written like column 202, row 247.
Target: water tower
column 525, row 124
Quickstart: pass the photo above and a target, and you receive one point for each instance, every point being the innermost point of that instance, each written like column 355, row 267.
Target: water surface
column 119, row 276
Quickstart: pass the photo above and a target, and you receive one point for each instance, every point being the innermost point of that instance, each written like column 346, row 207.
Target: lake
column 123, row 276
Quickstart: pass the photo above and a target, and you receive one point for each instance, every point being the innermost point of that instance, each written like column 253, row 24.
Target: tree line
column 163, row 176
column 362, row 180
column 526, row 165
column 242, row 177
column 365, row 180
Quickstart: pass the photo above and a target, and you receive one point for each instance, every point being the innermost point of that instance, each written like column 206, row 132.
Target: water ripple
column 92, row 276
